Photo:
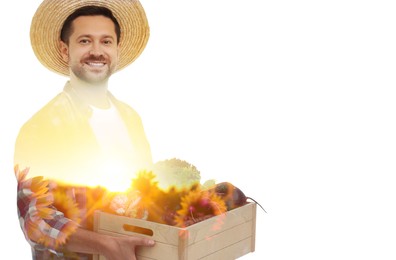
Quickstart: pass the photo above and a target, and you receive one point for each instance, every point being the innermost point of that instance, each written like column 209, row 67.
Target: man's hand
column 111, row 247
column 124, row 247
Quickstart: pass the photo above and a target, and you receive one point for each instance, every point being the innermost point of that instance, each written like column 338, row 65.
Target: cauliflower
column 176, row 173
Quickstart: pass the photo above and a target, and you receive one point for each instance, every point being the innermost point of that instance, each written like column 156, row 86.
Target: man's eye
column 84, row 41
column 107, row 42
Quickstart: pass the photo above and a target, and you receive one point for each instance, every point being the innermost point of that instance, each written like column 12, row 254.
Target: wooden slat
column 231, row 252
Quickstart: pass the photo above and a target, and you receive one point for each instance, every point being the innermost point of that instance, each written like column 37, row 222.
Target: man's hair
column 67, row 29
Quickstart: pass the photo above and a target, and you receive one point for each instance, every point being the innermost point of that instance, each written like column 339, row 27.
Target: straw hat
column 51, row 14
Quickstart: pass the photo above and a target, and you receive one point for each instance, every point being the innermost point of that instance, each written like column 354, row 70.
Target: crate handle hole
column 139, row 230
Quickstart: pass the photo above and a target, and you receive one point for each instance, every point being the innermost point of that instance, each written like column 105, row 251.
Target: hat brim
column 51, row 14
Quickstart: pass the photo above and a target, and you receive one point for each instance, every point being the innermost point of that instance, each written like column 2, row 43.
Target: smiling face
column 92, row 49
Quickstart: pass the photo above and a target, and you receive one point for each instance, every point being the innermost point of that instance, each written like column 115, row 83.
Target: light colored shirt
column 63, row 143
column 59, row 143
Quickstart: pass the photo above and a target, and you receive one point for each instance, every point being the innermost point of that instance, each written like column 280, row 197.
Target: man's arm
column 44, row 225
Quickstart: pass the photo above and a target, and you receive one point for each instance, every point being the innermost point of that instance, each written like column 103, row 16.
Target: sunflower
column 147, row 185
column 67, row 205
column 197, row 206
column 36, row 215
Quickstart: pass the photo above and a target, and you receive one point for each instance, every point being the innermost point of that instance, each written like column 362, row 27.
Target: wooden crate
column 224, row 237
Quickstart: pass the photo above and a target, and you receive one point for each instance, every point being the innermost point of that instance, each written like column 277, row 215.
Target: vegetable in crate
column 177, row 173
column 171, row 193
column 232, row 195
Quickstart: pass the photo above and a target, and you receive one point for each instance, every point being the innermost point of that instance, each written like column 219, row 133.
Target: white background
column 291, row 101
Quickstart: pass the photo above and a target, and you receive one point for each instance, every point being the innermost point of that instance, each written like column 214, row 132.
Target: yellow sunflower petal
column 197, row 206
column 46, row 213
column 67, row 205
column 20, row 175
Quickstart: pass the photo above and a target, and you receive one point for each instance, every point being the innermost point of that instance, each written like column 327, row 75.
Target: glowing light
column 114, row 176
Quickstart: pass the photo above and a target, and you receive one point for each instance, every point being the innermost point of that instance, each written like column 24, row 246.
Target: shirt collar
column 77, row 102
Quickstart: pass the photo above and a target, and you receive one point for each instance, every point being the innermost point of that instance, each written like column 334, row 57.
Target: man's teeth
column 96, row 64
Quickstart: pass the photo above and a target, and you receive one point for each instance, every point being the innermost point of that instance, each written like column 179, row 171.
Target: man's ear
column 118, row 51
column 64, row 49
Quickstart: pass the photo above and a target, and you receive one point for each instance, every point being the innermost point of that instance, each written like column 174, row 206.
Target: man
column 84, row 137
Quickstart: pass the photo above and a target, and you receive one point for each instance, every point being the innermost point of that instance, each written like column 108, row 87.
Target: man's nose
column 96, row 49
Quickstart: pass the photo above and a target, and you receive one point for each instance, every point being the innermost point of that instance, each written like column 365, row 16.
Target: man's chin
column 96, row 77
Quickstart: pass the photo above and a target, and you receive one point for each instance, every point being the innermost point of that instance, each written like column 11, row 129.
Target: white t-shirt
column 117, row 150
